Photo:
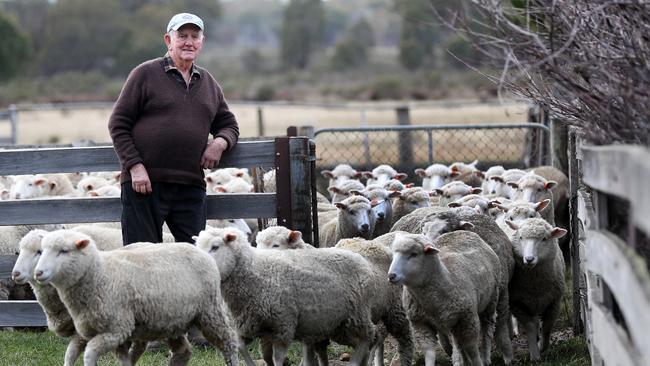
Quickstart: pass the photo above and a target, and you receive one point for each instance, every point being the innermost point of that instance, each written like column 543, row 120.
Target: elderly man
column 159, row 127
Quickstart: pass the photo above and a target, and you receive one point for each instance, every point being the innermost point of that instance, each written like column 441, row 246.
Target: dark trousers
column 183, row 207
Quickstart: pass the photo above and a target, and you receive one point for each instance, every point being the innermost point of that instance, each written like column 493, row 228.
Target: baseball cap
column 181, row 19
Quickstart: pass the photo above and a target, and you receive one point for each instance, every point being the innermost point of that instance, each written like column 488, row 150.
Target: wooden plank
column 21, row 314
column 611, row 341
column 283, row 182
column 573, row 166
column 107, row 209
column 103, row 158
column 6, row 265
column 629, row 281
column 624, row 171
column 301, row 202
column 586, row 213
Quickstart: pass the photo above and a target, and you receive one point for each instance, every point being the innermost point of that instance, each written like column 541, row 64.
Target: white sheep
column 106, row 191
column 510, row 175
column 306, row 295
column 397, row 185
column 474, row 200
column 434, row 176
column 489, row 183
column 467, row 173
column 220, row 177
column 382, row 174
column 382, row 207
column 27, row 186
column 409, row 200
column 279, row 237
column 534, row 188
column 340, row 174
column 343, row 190
column 537, row 286
column 112, row 177
column 451, row 286
column 452, row 191
column 235, row 185
column 239, row 224
column 91, row 183
column 518, row 211
column 4, row 192
column 57, row 185
column 354, row 218
column 103, row 292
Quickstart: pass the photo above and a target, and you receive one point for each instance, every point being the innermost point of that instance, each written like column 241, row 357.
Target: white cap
column 181, row 19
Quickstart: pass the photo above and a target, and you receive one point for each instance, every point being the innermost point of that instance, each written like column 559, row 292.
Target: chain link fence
column 409, row 147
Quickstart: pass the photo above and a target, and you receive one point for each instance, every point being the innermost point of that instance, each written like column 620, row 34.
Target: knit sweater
column 158, row 122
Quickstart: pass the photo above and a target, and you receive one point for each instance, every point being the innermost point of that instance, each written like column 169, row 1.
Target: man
column 159, row 127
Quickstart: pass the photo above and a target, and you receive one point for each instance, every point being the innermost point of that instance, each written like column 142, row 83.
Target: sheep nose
column 391, row 277
column 381, row 215
column 364, row 227
column 39, row 273
column 15, row 274
column 529, row 259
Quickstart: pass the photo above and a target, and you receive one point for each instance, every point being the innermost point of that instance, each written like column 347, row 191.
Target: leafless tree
column 587, row 61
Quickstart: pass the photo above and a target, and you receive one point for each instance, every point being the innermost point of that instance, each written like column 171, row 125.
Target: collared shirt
column 170, row 68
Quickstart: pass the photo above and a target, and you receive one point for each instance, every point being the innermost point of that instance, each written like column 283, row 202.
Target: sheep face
column 455, row 190
column 411, row 253
column 382, row 174
column 534, row 241
column 435, row 176
column 64, row 258
column 533, row 188
column 473, row 200
column 30, row 253
column 511, row 175
column 520, row 211
column 444, row 223
column 356, row 217
column 218, row 177
column 27, row 186
column 340, row 174
column 239, row 224
column 343, row 191
column 224, row 246
column 279, row 237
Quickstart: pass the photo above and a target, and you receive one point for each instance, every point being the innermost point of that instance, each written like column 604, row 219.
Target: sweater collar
column 168, row 64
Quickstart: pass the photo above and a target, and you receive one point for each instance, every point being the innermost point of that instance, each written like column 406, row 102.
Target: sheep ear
column 358, row 175
column 93, row 194
column 367, row 175
column 479, row 173
column 453, row 204
column 420, row 172
column 454, row 173
column 195, row 238
column 394, row 194
column 513, row 185
column 239, row 174
column 53, row 185
column 454, row 168
column 410, row 185
column 491, row 204
column 512, row 225
column 327, row 174
column 475, row 190
column 40, row 181
column 478, row 210
column 81, row 243
column 117, row 176
column 400, row 176
column 294, row 236
column 374, row 202
column 558, row 232
column 333, row 189
column 340, row 206
column 230, row 237
column 550, row 184
column 208, row 179
column 220, row 189
column 429, row 249
column 466, row 225
column 356, row 192
column 438, row 192
column 497, row 178
column 541, row 205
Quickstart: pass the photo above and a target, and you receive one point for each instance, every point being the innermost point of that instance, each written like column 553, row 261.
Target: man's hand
column 212, row 153
column 140, row 179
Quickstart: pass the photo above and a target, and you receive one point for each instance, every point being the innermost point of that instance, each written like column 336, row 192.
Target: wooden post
column 574, row 230
column 283, row 182
column 559, row 145
column 404, row 144
column 292, row 131
column 314, row 199
column 300, row 184
column 260, row 121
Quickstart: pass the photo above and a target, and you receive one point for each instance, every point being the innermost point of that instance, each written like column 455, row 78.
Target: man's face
column 186, row 43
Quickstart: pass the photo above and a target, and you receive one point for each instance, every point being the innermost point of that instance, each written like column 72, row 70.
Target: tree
column 14, row 49
column 418, row 33
column 301, row 32
column 353, row 50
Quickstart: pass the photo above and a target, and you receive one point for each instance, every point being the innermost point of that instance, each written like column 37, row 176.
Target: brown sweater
column 158, row 122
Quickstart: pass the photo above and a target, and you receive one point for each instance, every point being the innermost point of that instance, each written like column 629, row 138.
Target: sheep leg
column 377, row 351
column 360, row 353
column 280, row 350
column 399, row 327
column 465, row 336
column 266, row 350
column 445, row 343
column 137, row 349
column 427, row 337
column 215, row 326
column 181, row 351
column 532, row 328
column 503, row 331
column 101, row 344
column 243, row 350
column 75, row 347
column 122, row 354
column 308, row 355
column 548, row 320
column 321, row 352
column 487, row 319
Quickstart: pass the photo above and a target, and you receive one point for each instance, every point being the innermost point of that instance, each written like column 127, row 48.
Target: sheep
column 342, row 191
column 219, row 177
column 103, row 292
column 91, row 183
column 412, row 222
column 467, row 173
column 437, row 224
column 473, row 200
column 533, row 188
column 518, row 211
column 106, row 191
column 454, row 190
column 396, row 185
column 279, row 237
column 306, row 295
column 235, row 185
column 57, row 185
column 108, row 238
column 340, row 174
column 58, row 319
column 27, row 186
column 434, row 176
column 409, row 200
column 510, row 175
column 451, row 286
column 4, row 192
column 537, row 286
column 112, row 177
column 239, row 224
column 489, row 183
column 383, row 209
column 382, row 174
column 76, row 177
column 354, row 218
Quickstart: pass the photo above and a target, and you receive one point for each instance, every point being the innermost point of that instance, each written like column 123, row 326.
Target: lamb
column 27, row 186
column 108, row 238
column 537, row 285
column 354, row 218
column 519, row 211
column 91, row 183
column 102, row 292
column 489, row 183
column 412, row 223
column 467, row 173
column 510, row 175
column 454, row 190
column 112, row 177
column 409, row 200
column 434, row 176
column 235, row 185
column 437, row 224
column 57, row 185
column 383, row 209
column 451, row 286
column 306, row 295
column 279, row 237
column 58, row 319
column 343, row 190
column 533, row 188
column 396, row 185
column 239, row 224
column 473, row 200
column 340, row 174
column 382, row 174
column 221, row 177
column 106, row 191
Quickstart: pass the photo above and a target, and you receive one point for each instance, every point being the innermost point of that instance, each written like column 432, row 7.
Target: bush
column 386, row 89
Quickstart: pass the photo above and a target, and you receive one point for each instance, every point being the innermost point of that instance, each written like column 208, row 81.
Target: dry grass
column 66, row 126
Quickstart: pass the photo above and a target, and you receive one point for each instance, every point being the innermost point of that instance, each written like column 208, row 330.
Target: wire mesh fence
column 409, row 147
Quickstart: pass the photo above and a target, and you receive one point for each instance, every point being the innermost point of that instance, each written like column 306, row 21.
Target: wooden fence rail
column 292, row 158
column 616, row 306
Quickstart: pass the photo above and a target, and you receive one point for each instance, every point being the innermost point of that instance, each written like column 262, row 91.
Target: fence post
column 283, row 182
column 574, row 230
column 260, row 121
column 405, row 145
column 559, row 148
column 314, row 199
column 301, row 193
column 13, row 117
column 307, row 131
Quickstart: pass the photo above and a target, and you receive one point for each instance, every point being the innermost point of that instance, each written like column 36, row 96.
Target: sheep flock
column 460, row 258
